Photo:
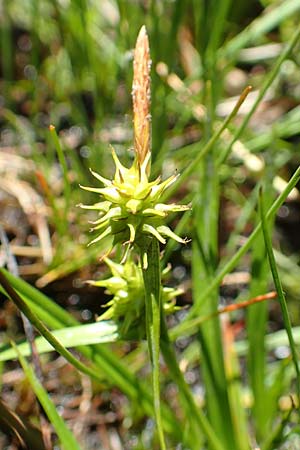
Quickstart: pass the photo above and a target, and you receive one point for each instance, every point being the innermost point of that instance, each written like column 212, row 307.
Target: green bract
column 130, row 206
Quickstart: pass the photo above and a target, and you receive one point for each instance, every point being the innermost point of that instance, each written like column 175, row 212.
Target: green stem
column 230, row 265
column 267, row 83
column 280, row 293
column 188, row 171
column 197, row 415
column 152, row 283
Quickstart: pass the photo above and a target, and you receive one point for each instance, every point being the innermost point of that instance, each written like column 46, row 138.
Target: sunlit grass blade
column 235, row 388
column 44, row 331
column 256, row 325
column 70, row 337
column 280, row 293
column 109, row 366
column 66, row 437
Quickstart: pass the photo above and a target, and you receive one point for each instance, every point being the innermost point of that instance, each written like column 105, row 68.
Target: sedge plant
column 131, row 213
column 133, row 218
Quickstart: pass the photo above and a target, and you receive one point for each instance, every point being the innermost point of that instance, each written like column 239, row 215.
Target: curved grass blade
column 208, row 146
column 92, row 333
column 109, row 367
column 280, row 293
column 231, row 264
column 267, row 83
column 262, row 25
column 65, row 436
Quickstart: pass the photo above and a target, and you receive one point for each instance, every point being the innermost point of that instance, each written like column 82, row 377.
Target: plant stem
column 280, row 293
column 152, row 283
column 198, row 416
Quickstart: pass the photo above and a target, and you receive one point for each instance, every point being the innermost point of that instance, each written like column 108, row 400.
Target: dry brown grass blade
column 34, row 208
column 29, row 436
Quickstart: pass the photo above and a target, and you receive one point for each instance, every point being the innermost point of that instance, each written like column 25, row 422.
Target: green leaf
column 94, row 333
column 65, row 436
column 109, row 367
column 280, row 293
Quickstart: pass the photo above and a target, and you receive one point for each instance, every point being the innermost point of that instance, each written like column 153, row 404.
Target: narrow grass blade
column 270, row 77
column 234, row 388
column 109, row 367
column 256, row 326
column 70, row 337
column 65, row 436
column 280, row 293
column 43, row 330
column 208, row 146
column 184, row 390
column 259, row 27
column 272, row 439
column 231, row 264
column 11, row 422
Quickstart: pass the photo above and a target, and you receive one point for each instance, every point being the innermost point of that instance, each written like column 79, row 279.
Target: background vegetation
column 69, row 63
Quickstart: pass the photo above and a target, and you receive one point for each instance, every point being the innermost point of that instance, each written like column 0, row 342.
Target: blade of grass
column 190, row 327
column 70, row 337
column 230, row 265
column 109, row 366
column 280, row 293
column 184, row 390
column 259, row 27
column 256, row 326
column 64, row 434
column 207, row 147
column 273, row 437
column 234, row 387
column 270, row 77
column 10, row 422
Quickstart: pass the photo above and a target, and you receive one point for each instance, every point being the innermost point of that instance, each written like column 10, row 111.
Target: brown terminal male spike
column 141, row 96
